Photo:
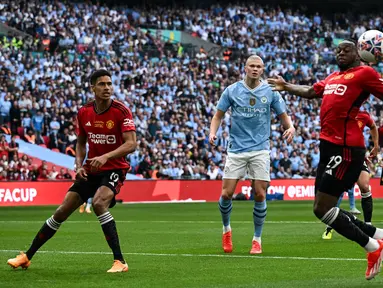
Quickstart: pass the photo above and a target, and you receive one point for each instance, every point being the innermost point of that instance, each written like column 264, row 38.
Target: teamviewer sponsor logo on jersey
column 101, row 138
column 338, row 89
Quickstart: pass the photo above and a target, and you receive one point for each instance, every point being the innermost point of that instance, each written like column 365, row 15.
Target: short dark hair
column 97, row 74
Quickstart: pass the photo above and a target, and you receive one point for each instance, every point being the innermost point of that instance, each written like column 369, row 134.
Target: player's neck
column 252, row 83
column 353, row 65
column 102, row 105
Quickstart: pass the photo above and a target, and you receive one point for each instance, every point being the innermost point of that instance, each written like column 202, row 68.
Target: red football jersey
column 104, row 132
column 343, row 93
column 364, row 119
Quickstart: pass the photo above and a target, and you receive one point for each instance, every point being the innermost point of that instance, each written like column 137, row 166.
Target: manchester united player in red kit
column 107, row 126
column 342, row 150
column 364, row 119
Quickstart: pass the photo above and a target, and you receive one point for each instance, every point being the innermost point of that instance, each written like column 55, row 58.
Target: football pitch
column 179, row 245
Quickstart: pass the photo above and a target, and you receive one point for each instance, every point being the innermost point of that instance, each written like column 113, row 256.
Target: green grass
column 179, row 245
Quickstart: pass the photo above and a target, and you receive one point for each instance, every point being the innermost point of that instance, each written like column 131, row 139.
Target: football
column 370, row 46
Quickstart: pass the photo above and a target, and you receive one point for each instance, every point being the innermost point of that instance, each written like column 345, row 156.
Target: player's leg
column 351, row 200
column 235, row 169
column 364, row 186
column 259, row 171
column 88, row 205
column 342, row 172
column 103, row 199
column 327, row 234
column 70, row 204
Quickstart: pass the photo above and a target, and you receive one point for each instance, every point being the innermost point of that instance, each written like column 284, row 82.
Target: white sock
column 226, row 229
column 372, row 245
column 369, row 223
column 378, row 234
column 258, row 239
column 88, row 205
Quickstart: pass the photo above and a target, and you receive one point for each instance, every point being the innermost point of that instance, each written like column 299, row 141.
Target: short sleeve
column 369, row 121
column 319, row 88
column 277, row 103
column 224, row 101
column 79, row 127
column 127, row 123
column 373, row 82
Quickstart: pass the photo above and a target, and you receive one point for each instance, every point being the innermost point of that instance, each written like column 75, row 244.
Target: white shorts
column 255, row 163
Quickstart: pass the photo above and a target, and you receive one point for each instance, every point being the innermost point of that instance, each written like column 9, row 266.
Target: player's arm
column 214, row 125
column 222, row 106
column 373, row 82
column 129, row 145
column 287, row 126
column 375, row 139
column 304, row 91
column 279, row 106
column 80, row 151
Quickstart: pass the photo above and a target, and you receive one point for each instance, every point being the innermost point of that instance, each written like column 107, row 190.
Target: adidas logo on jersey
column 329, row 172
column 88, row 124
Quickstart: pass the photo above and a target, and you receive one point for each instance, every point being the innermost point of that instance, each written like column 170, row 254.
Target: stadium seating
column 172, row 95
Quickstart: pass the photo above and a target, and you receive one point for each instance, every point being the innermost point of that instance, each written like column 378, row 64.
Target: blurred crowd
column 173, row 95
column 20, row 167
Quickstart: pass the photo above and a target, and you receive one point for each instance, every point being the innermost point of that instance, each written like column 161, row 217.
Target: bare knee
column 364, row 188
column 319, row 210
column 259, row 190
column 323, row 203
column 228, row 188
column 100, row 206
column 61, row 214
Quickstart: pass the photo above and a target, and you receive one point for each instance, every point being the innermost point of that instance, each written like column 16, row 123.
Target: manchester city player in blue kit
column 251, row 101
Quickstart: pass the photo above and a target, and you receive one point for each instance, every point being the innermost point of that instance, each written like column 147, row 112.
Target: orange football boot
column 21, row 260
column 118, row 266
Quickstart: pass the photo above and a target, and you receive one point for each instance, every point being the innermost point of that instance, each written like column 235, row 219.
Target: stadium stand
column 171, row 92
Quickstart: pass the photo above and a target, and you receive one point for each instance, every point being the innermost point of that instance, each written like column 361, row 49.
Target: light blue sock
column 259, row 215
column 351, row 198
column 225, row 207
column 89, row 203
column 340, row 200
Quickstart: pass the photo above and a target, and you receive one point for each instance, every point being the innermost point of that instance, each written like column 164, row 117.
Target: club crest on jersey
column 252, row 101
column 264, row 100
column 349, row 76
column 360, row 123
column 109, row 124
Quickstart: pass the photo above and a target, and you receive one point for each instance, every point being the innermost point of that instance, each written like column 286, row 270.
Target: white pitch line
column 195, row 255
column 166, row 221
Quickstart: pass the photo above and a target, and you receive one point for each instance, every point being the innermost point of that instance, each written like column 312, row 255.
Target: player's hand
column 81, row 174
column 277, row 84
column 212, row 139
column 97, row 162
column 374, row 152
column 289, row 134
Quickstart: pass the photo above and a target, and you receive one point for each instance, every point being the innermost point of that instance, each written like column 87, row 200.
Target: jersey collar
column 255, row 88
